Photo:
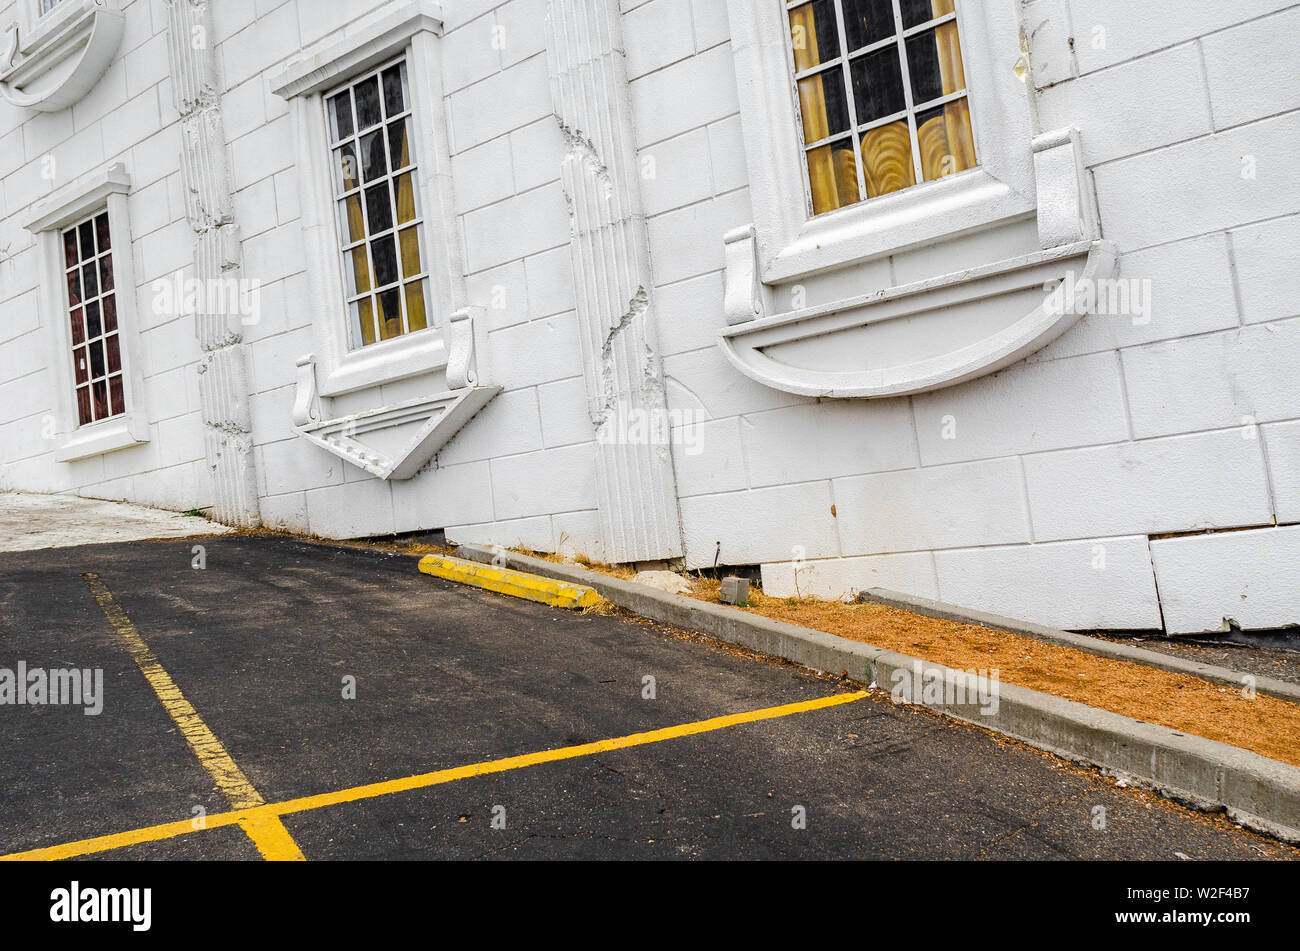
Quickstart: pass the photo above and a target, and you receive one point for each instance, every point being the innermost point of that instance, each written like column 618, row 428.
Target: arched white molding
column 808, row 352
column 50, row 62
column 936, row 332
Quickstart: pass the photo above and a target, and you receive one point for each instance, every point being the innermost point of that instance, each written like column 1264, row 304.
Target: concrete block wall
column 1047, row 490
column 127, row 117
column 522, row 472
column 1068, row 489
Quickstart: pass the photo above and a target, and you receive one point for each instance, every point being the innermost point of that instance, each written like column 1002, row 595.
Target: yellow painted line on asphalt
column 273, row 811
column 519, row 584
column 272, row 842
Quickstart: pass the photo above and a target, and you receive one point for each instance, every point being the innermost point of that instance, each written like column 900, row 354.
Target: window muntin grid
column 92, row 317
column 892, row 112
column 373, row 170
column 47, row 5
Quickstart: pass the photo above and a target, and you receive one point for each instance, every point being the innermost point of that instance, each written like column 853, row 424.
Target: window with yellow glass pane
column 380, row 227
column 882, row 96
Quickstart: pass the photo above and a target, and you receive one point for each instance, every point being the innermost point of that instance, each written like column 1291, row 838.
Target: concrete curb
column 1255, row 791
column 1269, row 686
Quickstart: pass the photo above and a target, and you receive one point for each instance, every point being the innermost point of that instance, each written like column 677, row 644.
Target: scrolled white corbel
column 743, row 298
column 460, row 350
column 11, row 52
column 1067, row 208
column 306, row 401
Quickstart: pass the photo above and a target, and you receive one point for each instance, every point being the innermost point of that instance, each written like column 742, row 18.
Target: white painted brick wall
column 689, row 313
column 1216, row 380
column 1176, row 484
column 1240, row 91
column 444, row 495
column 351, row 510
column 840, row 579
column 1172, row 78
column 1191, row 144
column 1268, row 259
column 717, row 464
column 974, row 503
column 544, row 482
column 1282, row 443
column 537, row 533
column 1186, row 288
column 1019, row 410
column 825, row 440
column 509, row 424
column 1246, row 577
column 1115, row 31
column 1150, row 199
column 1094, row 583
column 761, row 525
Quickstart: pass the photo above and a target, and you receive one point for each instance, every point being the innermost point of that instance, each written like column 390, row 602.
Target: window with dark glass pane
column 92, row 319
column 882, row 96
column 373, row 156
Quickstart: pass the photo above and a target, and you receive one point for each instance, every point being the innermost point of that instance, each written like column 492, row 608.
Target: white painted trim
column 373, row 41
column 1068, row 230
column 53, row 61
column 35, row 28
column 790, row 244
column 440, row 416
column 105, row 189
column 75, row 200
column 636, row 490
column 744, row 344
column 107, row 435
column 408, row 30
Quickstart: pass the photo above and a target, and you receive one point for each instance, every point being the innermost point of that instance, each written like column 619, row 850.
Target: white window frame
column 418, row 222
column 105, row 190
column 35, row 26
column 792, row 243
column 408, row 30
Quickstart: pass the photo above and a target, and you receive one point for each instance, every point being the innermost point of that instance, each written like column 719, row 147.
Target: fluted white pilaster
column 209, row 205
column 611, row 265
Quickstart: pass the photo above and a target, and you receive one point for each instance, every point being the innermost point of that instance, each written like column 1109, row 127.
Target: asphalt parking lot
column 228, row 731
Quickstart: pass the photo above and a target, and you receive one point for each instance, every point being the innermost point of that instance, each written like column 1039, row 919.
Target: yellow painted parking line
column 273, row 811
column 519, row 584
column 272, row 842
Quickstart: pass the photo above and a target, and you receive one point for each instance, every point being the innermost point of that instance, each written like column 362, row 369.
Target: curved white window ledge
column 926, row 335
column 397, row 440
column 117, row 432
column 50, row 62
column 936, row 332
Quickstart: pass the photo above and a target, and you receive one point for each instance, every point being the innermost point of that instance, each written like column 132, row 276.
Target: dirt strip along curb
column 1269, row 686
column 1255, row 791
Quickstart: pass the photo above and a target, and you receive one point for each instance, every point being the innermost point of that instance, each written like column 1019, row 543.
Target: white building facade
column 988, row 301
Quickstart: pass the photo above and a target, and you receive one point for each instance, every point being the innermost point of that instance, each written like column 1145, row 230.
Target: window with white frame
column 88, row 309
column 898, row 122
column 377, row 205
column 48, row 5
column 91, row 306
column 378, row 212
column 882, row 98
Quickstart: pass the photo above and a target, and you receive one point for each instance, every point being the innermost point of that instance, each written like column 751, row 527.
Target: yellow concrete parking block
column 519, row 584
